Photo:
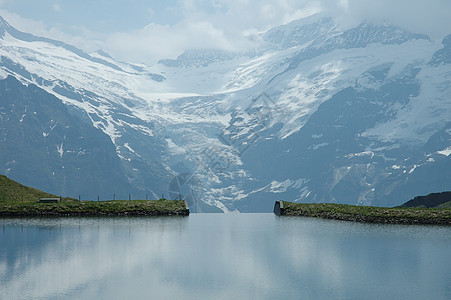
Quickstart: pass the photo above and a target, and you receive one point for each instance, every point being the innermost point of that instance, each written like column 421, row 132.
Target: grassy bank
column 369, row 214
column 19, row 200
column 11, row 190
column 94, row 208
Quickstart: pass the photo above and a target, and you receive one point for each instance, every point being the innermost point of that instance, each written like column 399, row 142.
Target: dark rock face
column 278, row 208
column 429, row 201
column 442, row 56
column 43, row 145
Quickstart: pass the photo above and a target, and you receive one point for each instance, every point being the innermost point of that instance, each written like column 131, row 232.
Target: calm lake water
column 221, row 256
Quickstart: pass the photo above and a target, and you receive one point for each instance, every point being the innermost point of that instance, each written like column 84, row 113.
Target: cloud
column 24, row 24
column 86, row 39
column 427, row 17
column 57, row 7
column 155, row 41
column 234, row 24
column 228, row 24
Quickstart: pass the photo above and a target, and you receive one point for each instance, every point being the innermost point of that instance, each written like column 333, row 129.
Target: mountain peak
column 300, row 31
column 4, row 27
column 366, row 34
column 388, row 34
column 442, row 56
column 447, row 41
column 27, row 37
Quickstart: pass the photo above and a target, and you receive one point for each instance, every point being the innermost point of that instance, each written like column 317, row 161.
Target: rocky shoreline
column 94, row 208
column 365, row 214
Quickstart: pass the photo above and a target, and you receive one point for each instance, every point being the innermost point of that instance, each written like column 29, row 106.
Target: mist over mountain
column 314, row 114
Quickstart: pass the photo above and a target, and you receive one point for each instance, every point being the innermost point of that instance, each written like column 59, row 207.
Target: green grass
column 445, row 205
column 14, row 191
column 369, row 214
column 19, row 200
column 94, row 208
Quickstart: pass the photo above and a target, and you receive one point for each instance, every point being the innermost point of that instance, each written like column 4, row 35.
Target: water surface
column 221, row 256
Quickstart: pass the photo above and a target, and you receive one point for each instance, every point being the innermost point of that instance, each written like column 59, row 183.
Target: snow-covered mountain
column 314, row 114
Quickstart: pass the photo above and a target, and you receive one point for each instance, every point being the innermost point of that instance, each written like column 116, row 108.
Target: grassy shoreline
column 94, row 208
column 368, row 214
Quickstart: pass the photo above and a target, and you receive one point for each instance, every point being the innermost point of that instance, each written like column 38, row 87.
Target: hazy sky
column 145, row 31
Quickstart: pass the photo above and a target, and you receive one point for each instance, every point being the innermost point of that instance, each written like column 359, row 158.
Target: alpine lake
column 221, row 256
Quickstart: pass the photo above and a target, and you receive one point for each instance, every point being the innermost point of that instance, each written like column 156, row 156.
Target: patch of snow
column 304, row 192
column 390, row 147
column 316, row 147
column 360, row 154
column 60, row 149
column 221, row 206
column 174, row 148
column 413, row 169
column 126, row 145
column 445, row 152
column 424, row 115
column 281, row 187
column 146, row 130
column 3, row 74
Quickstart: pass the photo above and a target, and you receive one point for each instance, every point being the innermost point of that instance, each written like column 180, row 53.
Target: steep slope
column 43, row 145
column 433, row 200
column 92, row 91
column 14, row 191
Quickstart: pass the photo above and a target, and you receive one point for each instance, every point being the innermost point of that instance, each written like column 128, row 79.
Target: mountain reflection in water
column 226, row 256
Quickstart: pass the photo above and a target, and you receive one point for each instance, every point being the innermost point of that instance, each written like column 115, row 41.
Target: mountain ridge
column 5, row 27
